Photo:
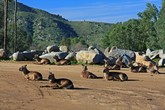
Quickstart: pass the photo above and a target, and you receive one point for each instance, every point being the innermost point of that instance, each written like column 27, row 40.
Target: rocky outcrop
column 155, row 53
column 161, row 62
column 63, row 48
column 3, row 54
column 25, row 56
column 49, row 56
column 143, row 59
column 52, row 48
column 115, row 52
column 92, row 55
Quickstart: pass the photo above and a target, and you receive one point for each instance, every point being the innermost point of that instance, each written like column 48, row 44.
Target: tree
column 15, row 27
column 5, row 23
column 148, row 19
column 135, row 34
column 1, row 25
column 65, row 41
column 160, row 26
column 1, row 14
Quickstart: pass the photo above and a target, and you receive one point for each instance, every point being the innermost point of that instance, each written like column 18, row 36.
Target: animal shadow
column 80, row 88
column 44, row 80
column 161, row 73
column 133, row 80
column 99, row 77
column 75, row 88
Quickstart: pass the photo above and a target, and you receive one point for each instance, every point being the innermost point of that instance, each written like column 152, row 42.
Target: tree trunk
column 15, row 27
column 5, row 24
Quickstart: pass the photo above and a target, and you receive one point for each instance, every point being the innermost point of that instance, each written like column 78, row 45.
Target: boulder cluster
column 91, row 55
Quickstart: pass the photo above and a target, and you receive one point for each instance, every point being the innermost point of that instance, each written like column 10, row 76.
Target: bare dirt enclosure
column 143, row 91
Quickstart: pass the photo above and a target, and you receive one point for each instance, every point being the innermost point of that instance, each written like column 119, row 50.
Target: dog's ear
column 25, row 65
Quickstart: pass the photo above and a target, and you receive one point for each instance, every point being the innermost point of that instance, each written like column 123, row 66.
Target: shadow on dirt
column 133, row 80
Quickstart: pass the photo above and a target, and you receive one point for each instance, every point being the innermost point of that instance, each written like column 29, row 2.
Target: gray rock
column 148, row 51
column 60, row 55
column 91, row 48
column 3, row 54
column 106, row 52
column 25, row 56
column 89, row 56
column 127, row 60
column 17, row 56
column 115, row 52
column 64, row 48
column 92, row 55
column 111, row 60
column 70, row 56
column 52, row 48
column 154, row 54
column 97, row 51
column 162, row 56
column 161, row 62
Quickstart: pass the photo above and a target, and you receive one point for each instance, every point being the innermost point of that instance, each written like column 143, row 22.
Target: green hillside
column 43, row 28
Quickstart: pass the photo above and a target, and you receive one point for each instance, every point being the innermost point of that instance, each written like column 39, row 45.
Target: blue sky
column 110, row 11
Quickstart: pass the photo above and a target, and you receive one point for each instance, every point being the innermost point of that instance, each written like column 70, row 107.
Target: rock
column 97, row 51
column 115, row 52
column 148, row 51
column 52, row 48
column 106, row 52
column 64, row 48
column 141, row 58
column 111, row 61
column 91, row 48
column 70, row 56
column 155, row 54
column 3, row 54
column 61, row 55
column 92, row 55
column 17, row 56
column 25, row 56
column 161, row 62
column 126, row 60
column 162, row 56
column 89, row 56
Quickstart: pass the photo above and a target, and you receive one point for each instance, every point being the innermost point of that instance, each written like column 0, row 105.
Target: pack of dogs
column 108, row 74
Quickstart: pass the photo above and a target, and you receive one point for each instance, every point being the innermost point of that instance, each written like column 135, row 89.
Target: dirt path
column 143, row 91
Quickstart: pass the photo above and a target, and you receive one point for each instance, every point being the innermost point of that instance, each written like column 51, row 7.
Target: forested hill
column 43, row 28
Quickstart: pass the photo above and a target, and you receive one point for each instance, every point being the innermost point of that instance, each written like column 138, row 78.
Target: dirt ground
column 143, row 91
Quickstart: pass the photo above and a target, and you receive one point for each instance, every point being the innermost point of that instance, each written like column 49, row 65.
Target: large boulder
column 89, row 56
column 70, row 56
column 25, row 56
column 148, row 51
column 110, row 61
column 143, row 59
column 115, row 52
column 52, row 48
column 17, row 56
column 3, row 54
column 92, row 55
column 29, row 56
column 60, row 55
column 127, row 60
column 162, row 56
column 154, row 54
column 64, row 48
column 161, row 62
column 97, row 51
